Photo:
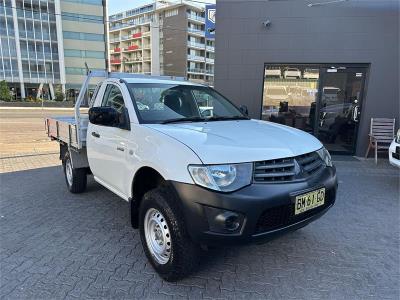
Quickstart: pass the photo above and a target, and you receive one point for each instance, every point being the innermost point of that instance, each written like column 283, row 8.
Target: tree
column 59, row 95
column 5, row 94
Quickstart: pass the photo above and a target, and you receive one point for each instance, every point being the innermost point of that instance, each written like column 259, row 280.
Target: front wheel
column 76, row 179
column 164, row 237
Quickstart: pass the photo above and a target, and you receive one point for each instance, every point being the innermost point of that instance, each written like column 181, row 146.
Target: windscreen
column 160, row 103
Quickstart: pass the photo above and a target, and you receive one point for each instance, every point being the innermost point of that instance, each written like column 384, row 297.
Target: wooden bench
column 381, row 135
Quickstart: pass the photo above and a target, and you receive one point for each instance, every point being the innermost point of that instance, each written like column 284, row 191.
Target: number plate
column 309, row 201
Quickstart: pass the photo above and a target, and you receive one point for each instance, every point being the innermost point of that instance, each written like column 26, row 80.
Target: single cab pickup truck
column 193, row 178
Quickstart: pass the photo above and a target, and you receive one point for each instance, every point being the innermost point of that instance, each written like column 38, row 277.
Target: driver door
column 107, row 146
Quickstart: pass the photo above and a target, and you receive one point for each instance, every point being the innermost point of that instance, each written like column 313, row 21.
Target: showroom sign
column 210, row 21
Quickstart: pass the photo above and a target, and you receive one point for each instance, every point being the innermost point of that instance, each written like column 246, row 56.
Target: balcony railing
column 131, row 23
column 130, row 36
column 115, row 61
column 196, row 58
column 196, row 17
column 196, row 70
column 210, row 48
column 210, row 60
column 132, row 60
column 196, row 31
column 132, row 47
column 196, row 45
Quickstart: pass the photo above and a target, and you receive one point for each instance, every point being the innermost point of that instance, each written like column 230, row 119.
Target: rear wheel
column 76, row 179
column 164, row 237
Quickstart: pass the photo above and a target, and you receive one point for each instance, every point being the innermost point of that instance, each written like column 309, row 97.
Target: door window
column 113, row 98
column 339, row 108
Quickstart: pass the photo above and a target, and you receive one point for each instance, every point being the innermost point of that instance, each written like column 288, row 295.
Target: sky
column 115, row 6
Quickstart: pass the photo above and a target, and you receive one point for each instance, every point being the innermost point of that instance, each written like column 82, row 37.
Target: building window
column 83, row 36
column 90, row 2
column 75, row 71
column 84, row 53
column 171, row 13
column 82, row 18
column 78, row 71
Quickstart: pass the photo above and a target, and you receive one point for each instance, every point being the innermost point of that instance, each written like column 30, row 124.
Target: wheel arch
column 146, row 178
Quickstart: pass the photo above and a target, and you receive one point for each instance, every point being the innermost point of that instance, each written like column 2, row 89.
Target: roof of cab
column 160, row 81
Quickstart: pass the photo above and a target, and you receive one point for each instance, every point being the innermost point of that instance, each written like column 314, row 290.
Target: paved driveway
column 54, row 244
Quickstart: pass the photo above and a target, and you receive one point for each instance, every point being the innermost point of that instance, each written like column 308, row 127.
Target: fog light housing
column 223, row 221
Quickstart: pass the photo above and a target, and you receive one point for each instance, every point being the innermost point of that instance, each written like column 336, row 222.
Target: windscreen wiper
column 188, row 119
column 225, row 118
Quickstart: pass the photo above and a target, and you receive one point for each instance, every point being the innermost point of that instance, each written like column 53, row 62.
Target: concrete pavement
column 56, row 245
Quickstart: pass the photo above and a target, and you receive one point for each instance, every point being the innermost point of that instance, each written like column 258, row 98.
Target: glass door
column 339, row 107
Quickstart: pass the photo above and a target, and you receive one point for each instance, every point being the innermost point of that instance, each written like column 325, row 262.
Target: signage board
column 210, row 21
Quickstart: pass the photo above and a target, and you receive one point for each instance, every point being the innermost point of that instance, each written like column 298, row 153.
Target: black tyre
column 76, row 179
column 164, row 237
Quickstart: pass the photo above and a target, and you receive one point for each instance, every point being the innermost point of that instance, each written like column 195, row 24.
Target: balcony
column 132, row 48
column 196, row 45
column 134, row 22
column 196, row 18
column 210, row 60
column 196, row 70
column 115, row 61
column 196, row 58
column 132, row 60
column 116, row 50
column 196, row 31
column 137, row 35
column 210, row 48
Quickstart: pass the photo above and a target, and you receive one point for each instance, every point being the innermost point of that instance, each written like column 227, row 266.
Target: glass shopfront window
column 324, row 100
column 290, row 95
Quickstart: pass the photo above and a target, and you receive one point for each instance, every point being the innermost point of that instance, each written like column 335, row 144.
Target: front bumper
column 254, row 202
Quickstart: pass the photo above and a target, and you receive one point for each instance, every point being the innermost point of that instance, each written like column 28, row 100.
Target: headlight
column 224, row 178
column 398, row 136
column 325, row 156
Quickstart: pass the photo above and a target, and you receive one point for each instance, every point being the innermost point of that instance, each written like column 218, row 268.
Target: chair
column 381, row 135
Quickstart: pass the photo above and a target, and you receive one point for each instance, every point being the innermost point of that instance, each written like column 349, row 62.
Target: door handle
column 121, row 149
column 95, row 134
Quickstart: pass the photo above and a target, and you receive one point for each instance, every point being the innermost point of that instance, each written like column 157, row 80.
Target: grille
column 282, row 216
column 287, row 169
column 310, row 162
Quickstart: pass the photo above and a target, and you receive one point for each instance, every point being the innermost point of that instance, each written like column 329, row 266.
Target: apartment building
column 44, row 44
column 162, row 38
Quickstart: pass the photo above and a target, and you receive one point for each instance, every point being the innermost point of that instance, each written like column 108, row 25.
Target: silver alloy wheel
column 158, row 237
column 68, row 171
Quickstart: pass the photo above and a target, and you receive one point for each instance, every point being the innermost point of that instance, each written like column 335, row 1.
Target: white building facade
column 162, row 38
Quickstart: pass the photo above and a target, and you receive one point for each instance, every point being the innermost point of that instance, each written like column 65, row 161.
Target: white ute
column 193, row 177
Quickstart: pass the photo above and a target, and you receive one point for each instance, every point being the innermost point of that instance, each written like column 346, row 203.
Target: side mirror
column 244, row 110
column 108, row 116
